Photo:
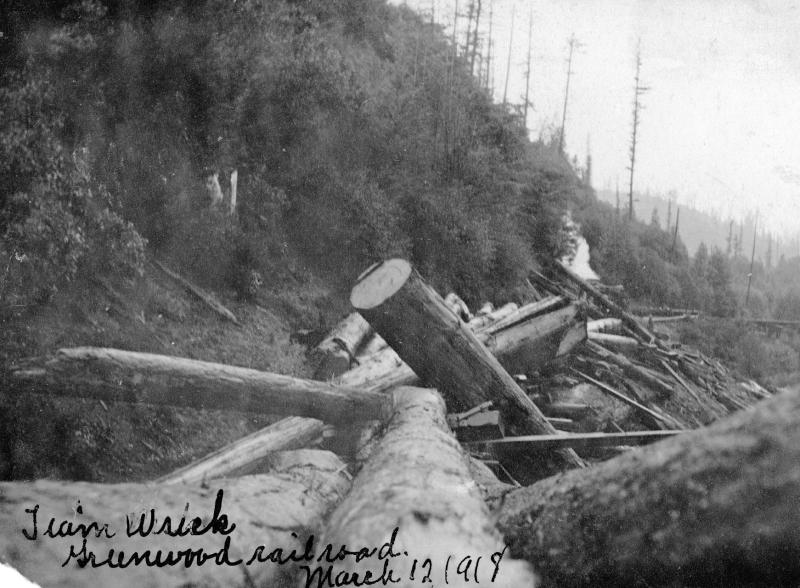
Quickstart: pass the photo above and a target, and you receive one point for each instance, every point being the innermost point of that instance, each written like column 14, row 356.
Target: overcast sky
column 721, row 121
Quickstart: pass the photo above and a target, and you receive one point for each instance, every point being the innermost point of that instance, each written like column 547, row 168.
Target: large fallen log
column 416, row 495
column 275, row 510
column 414, row 320
column 246, row 455
column 116, row 375
column 710, row 507
column 336, row 353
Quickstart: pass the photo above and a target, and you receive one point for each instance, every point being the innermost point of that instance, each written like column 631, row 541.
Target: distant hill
column 702, row 227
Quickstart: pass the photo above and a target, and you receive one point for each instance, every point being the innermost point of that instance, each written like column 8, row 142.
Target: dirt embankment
column 76, row 439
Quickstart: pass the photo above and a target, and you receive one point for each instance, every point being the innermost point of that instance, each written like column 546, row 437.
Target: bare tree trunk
column 273, row 510
column 714, row 506
column 417, row 481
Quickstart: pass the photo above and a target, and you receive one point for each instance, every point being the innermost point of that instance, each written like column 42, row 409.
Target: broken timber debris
column 414, row 320
column 128, row 376
column 417, row 480
column 715, row 506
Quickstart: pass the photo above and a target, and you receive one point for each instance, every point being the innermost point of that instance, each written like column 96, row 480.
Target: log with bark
column 116, row 375
column 414, row 320
column 416, row 494
column 248, row 454
column 275, row 510
column 336, row 353
column 711, row 507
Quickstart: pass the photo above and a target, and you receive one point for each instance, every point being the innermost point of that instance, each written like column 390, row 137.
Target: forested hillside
column 355, row 130
column 351, row 131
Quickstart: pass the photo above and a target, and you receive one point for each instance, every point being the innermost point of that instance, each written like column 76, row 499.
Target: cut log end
column 379, row 283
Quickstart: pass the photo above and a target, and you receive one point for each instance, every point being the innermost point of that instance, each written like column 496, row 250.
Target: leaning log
column 248, row 454
column 416, row 495
column 275, row 510
column 414, row 320
column 199, row 293
column 710, row 507
column 336, row 353
column 604, row 301
column 116, row 375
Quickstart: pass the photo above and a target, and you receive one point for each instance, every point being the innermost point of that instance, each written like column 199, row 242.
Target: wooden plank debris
column 577, row 440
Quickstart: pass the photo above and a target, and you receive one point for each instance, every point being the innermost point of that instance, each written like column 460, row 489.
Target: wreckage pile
column 545, row 388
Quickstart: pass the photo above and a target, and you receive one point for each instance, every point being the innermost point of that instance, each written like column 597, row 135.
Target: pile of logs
column 424, row 419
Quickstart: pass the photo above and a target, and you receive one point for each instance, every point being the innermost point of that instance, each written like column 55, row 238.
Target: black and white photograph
column 329, row 293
